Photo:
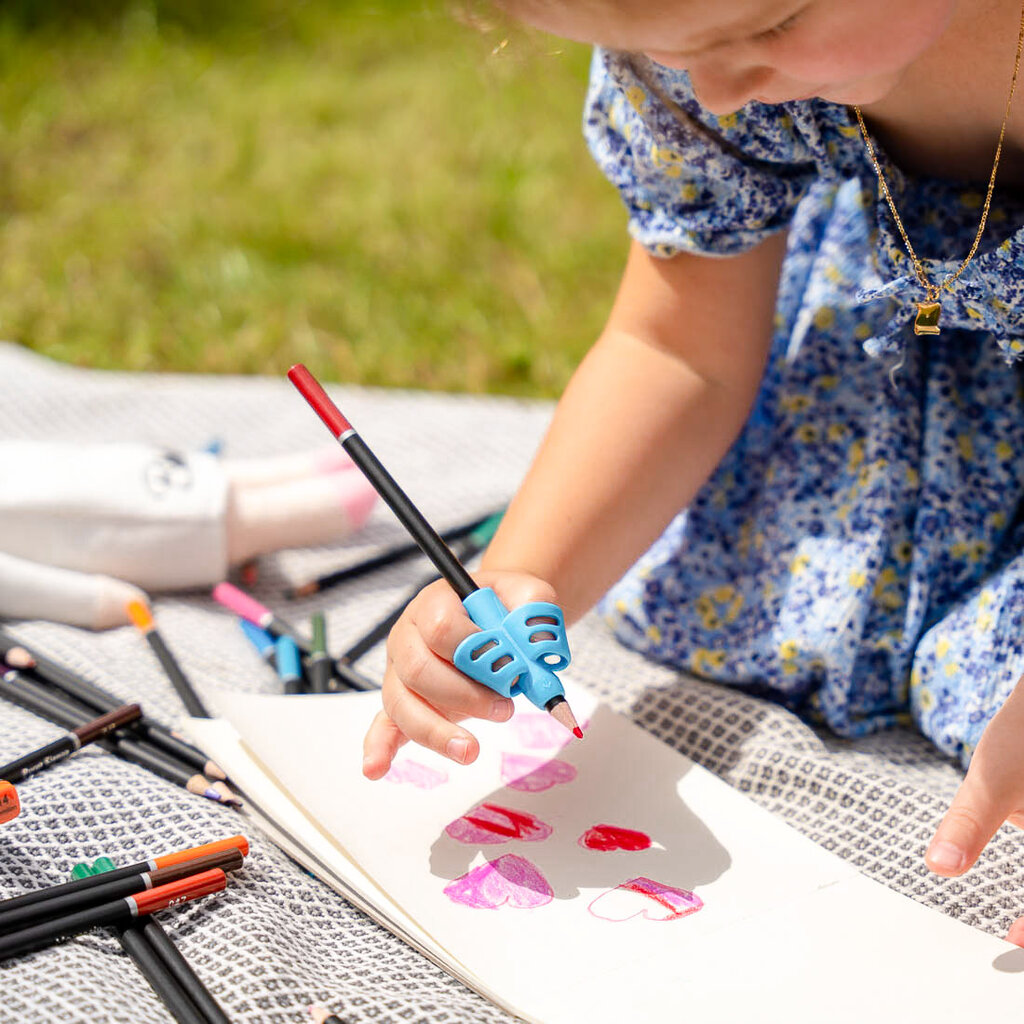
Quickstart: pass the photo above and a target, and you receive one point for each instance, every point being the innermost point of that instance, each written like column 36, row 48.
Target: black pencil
column 124, row 910
column 468, row 548
column 181, row 970
column 408, row 514
column 25, row 899
column 75, row 686
column 152, row 967
column 379, row 561
column 112, row 885
column 33, row 697
column 78, row 737
column 142, row 617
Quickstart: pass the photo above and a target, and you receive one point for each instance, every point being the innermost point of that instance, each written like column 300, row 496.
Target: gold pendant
column 927, row 319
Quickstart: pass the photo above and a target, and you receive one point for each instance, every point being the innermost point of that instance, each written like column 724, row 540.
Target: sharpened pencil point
column 558, row 708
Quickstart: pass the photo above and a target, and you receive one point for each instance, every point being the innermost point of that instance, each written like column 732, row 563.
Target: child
column 850, row 476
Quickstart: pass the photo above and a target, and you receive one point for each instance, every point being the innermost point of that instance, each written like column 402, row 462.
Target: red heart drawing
column 610, row 837
column 489, row 823
column 654, row 900
column 507, row 879
column 416, row 774
column 534, row 774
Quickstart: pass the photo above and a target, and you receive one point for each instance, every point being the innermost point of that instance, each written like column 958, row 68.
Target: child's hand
column 991, row 793
column 424, row 694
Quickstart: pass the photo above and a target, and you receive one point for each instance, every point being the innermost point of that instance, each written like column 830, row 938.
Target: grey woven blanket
column 278, row 939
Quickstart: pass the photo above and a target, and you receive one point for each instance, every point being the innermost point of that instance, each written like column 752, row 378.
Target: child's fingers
column 423, row 724
column 992, row 792
column 380, row 745
column 1016, row 932
column 439, row 618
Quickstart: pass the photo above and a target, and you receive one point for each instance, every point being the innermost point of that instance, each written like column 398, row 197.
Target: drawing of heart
column 654, row 900
column 534, row 774
column 507, row 879
column 610, row 837
column 416, row 774
column 488, row 824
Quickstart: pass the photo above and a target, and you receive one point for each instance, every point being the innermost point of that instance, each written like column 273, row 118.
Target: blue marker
column 289, row 664
column 261, row 640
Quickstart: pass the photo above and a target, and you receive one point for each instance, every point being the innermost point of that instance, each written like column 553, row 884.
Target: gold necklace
column 927, row 319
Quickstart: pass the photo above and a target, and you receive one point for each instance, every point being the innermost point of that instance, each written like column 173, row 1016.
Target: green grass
column 362, row 186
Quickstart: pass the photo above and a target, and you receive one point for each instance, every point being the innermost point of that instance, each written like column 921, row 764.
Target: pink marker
column 242, row 604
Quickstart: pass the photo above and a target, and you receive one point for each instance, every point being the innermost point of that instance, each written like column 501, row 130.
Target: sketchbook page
column 541, row 847
column 288, row 825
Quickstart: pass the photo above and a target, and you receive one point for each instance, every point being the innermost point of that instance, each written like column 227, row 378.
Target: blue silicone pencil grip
column 515, row 652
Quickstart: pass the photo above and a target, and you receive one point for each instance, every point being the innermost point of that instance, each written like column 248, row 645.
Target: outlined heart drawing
column 607, row 838
column 507, row 879
column 489, row 823
column 531, row 774
column 415, row 774
column 644, row 896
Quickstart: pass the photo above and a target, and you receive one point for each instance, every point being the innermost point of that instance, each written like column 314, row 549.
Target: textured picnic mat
column 278, row 939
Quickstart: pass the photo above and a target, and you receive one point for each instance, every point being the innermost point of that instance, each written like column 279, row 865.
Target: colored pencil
column 112, row 885
column 33, row 697
column 289, row 664
column 152, row 967
column 249, row 608
column 321, row 1015
column 182, row 972
column 50, row 672
column 408, row 514
column 142, row 618
column 381, row 560
column 467, row 548
column 236, row 842
column 319, row 661
column 246, row 606
column 115, row 912
column 261, row 640
column 78, row 737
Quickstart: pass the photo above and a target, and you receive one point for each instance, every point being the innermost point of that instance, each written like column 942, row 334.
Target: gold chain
column 933, row 291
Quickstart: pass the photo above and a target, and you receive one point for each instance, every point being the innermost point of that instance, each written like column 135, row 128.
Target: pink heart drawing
column 655, row 900
column 490, row 823
column 507, row 879
column 416, row 774
column 540, row 732
column 534, row 774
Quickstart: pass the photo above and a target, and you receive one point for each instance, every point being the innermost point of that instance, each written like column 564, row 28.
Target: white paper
column 784, row 925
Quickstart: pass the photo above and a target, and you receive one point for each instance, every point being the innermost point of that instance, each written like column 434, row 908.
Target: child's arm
column 646, row 418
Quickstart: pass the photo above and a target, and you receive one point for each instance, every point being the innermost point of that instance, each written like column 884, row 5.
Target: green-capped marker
column 102, row 864
column 319, row 664
column 80, row 871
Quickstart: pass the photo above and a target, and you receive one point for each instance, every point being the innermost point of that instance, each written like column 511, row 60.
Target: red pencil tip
column 578, row 733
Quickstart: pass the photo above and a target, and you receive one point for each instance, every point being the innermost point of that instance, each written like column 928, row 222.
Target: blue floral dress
column 858, row 552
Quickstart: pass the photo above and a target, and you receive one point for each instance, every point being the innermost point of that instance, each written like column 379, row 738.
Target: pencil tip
column 560, row 711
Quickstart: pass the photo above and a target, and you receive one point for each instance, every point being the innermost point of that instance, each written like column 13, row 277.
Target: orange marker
column 10, row 806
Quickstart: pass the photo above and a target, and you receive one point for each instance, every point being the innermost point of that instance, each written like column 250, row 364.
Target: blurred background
column 394, row 192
